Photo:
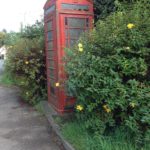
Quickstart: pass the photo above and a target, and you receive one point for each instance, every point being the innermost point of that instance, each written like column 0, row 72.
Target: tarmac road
column 21, row 126
column 1, row 66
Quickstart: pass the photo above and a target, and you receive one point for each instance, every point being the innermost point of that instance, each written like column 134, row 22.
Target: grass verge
column 77, row 135
column 6, row 79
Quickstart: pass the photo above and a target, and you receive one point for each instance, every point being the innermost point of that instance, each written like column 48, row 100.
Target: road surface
column 1, row 66
column 21, row 126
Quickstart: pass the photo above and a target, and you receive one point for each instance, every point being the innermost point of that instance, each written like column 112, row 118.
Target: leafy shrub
column 26, row 63
column 103, row 8
column 76, row 133
column 108, row 73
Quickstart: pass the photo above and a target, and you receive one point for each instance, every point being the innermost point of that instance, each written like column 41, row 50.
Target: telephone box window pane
column 49, row 25
column 87, row 22
column 75, row 7
column 76, row 22
column 52, row 64
column 51, row 54
column 66, row 21
column 74, row 28
column 52, row 82
column 67, row 43
column 50, row 45
column 52, row 86
column 66, row 32
column 72, row 42
column 52, row 89
column 52, row 73
column 50, row 9
column 75, row 33
column 50, row 36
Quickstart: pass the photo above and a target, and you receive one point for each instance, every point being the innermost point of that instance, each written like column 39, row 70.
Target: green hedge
column 26, row 62
column 108, row 73
column 103, row 8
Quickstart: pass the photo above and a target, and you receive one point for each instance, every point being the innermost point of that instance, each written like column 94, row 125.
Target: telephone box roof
column 50, row 2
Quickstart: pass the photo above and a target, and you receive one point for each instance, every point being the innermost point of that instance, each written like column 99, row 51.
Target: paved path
column 1, row 66
column 21, row 127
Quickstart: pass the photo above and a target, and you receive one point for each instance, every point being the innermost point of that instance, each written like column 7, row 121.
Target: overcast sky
column 13, row 12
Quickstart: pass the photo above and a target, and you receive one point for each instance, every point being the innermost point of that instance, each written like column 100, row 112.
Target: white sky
column 13, row 12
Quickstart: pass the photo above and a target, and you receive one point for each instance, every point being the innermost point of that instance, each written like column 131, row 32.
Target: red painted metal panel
column 60, row 17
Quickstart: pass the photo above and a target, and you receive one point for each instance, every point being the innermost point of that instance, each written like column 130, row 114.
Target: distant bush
column 109, row 73
column 26, row 62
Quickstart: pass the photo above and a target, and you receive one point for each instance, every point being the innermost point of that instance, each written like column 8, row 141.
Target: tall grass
column 78, row 136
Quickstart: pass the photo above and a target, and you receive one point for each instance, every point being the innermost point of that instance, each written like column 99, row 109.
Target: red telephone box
column 65, row 21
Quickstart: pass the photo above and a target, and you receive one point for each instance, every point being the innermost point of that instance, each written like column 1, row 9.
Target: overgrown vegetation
column 76, row 133
column 108, row 73
column 26, row 61
column 103, row 8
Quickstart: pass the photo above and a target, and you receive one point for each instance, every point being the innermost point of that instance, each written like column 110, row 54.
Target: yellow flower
column 130, row 26
column 26, row 62
column 108, row 110
column 57, row 84
column 127, row 48
column 80, row 49
column 105, row 106
column 79, row 107
column 132, row 104
column 80, row 45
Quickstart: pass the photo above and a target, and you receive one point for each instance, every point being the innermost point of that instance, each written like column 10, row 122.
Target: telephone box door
column 72, row 27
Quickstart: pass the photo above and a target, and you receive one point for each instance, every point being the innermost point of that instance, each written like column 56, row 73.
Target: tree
column 2, row 38
column 11, row 38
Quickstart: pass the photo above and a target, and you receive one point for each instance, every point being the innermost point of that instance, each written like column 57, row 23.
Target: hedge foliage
column 109, row 73
column 26, row 62
column 103, row 8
